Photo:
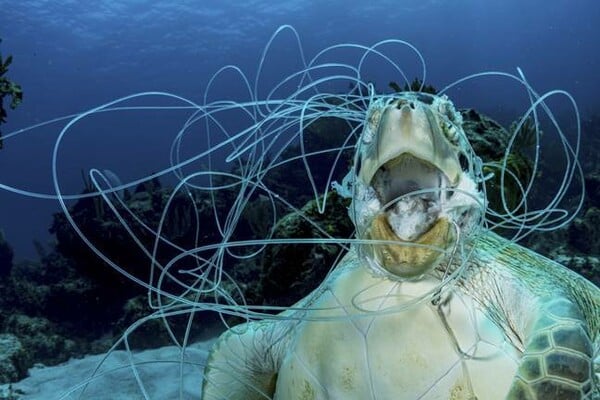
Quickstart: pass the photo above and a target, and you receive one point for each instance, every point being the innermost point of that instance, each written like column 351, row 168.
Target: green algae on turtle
column 427, row 303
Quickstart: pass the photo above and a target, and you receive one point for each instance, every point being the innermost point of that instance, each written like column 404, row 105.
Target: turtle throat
column 410, row 191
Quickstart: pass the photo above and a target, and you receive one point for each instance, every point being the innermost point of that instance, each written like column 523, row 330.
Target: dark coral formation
column 489, row 140
column 291, row 271
column 578, row 245
column 71, row 302
column 13, row 359
column 6, row 257
column 415, row 86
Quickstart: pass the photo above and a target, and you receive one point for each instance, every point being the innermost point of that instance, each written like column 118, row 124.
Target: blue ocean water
column 73, row 55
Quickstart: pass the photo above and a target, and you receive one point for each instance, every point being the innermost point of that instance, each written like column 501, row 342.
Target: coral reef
column 7, row 392
column 578, row 246
column 44, row 341
column 489, row 140
column 415, row 86
column 104, row 229
column 291, row 271
column 6, row 256
column 70, row 302
column 592, row 186
column 320, row 135
column 13, row 359
column 584, row 232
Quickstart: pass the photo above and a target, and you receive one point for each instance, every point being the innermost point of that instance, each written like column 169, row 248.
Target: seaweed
column 8, row 89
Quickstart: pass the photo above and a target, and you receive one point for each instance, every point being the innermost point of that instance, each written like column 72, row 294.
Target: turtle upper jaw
column 408, row 127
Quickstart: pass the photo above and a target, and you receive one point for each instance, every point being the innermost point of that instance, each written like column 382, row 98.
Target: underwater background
column 70, row 56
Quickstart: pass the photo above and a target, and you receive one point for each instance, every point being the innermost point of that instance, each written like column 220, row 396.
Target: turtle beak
column 409, row 127
column 409, row 154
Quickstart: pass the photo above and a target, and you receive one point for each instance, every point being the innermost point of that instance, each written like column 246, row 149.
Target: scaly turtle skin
column 427, row 304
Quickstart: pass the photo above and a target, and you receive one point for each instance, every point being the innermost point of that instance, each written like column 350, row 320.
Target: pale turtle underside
column 516, row 326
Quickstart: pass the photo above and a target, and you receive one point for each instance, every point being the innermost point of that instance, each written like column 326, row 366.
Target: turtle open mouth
column 410, row 191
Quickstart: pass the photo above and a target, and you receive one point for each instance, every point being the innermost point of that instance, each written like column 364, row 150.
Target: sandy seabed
column 160, row 370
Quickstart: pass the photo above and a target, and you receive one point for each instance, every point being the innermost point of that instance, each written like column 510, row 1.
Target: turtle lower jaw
column 410, row 191
column 409, row 258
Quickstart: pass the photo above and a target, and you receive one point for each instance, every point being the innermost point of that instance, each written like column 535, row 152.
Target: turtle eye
column 374, row 118
column 450, row 131
column 371, row 124
column 465, row 165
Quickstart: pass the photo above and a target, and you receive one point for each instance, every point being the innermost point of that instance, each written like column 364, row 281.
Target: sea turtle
column 427, row 303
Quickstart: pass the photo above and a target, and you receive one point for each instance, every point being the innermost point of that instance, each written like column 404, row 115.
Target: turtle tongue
column 409, row 215
column 412, row 216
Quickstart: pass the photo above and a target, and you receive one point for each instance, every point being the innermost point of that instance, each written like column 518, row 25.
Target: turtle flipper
column 243, row 364
column 558, row 359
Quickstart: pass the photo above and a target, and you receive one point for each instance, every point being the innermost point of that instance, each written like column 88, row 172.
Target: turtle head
column 414, row 186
